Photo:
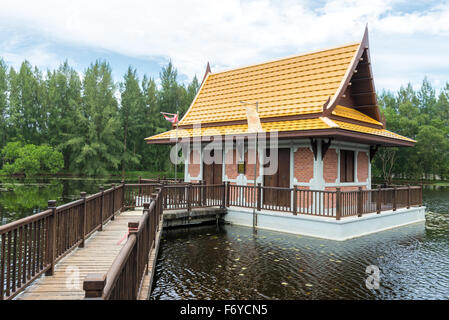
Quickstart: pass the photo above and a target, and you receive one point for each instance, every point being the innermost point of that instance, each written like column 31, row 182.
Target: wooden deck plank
column 96, row 257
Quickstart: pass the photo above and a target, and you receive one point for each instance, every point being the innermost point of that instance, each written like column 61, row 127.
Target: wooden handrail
column 132, row 261
column 40, row 253
column 32, row 245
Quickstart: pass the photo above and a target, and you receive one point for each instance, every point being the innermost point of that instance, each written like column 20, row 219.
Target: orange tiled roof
column 290, row 86
column 369, row 130
column 298, row 85
column 353, row 114
column 280, row 126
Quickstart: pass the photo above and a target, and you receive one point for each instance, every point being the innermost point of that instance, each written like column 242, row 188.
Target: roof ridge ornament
column 329, row 107
column 207, row 72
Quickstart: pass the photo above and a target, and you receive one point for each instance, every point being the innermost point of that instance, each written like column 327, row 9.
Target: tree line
column 422, row 115
column 96, row 124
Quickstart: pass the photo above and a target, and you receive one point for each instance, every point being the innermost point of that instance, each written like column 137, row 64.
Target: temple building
column 321, row 109
column 323, row 106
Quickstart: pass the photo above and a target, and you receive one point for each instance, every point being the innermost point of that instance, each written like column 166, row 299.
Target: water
column 231, row 262
column 23, row 197
column 234, row 263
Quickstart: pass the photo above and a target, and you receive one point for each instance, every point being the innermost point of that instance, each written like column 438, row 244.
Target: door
column 213, row 175
column 280, row 179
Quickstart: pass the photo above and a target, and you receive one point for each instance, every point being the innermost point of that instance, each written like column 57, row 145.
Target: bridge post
column 379, row 200
column 93, row 286
column 203, row 192
column 223, row 202
column 113, row 202
column 154, row 196
column 150, row 230
column 228, row 193
column 408, row 196
column 338, row 204
column 295, row 200
column 122, row 208
column 189, row 192
column 51, row 238
column 101, row 208
column 133, row 228
column 83, row 219
column 359, row 202
column 394, row 198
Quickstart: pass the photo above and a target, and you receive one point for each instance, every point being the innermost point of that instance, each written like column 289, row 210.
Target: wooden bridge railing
column 33, row 245
column 124, row 279
column 336, row 204
column 159, row 180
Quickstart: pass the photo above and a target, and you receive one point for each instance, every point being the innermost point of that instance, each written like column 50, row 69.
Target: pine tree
column 3, row 103
column 154, row 157
column 99, row 146
column 132, row 112
column 63, row 101
column 27, row 117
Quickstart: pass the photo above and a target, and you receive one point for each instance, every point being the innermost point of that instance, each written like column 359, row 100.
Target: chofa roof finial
column 207, row 72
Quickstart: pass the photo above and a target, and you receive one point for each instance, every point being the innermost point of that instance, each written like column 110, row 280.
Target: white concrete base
column 327, row 228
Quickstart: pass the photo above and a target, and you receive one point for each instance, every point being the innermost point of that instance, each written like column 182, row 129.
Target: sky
column 409, row 40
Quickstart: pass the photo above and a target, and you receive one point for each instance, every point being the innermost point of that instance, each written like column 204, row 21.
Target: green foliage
column 3, row 102
column 98, row 125
column 424, row 117
column 30, row 159
column 97, row 147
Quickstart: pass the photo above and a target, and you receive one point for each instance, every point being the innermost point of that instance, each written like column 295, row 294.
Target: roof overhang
column 335, row 133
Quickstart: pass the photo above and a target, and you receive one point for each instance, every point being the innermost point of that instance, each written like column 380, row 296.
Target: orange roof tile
column 293, row 86
column 351, row 113
column 290, row 86
column 280, row 126
column 363, row 129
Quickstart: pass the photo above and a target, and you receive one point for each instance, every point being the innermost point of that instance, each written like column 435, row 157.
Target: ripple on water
column 231, row 262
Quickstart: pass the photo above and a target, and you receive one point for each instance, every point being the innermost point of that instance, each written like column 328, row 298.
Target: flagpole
column 255, row 164
column 176, row 163
column 255, row 171
column 176, row 117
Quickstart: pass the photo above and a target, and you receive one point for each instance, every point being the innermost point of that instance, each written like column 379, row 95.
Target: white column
column 317, row 183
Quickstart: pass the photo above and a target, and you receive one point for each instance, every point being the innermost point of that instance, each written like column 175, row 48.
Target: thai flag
column 172, row 117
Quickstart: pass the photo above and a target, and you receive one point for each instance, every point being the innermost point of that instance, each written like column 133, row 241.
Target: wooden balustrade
column 33, row 245
column 337, row 204
column 124, row 279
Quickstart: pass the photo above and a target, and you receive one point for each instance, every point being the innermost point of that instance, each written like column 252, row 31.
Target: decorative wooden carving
column 372, row 151
column 314, row 144
column 324, row 147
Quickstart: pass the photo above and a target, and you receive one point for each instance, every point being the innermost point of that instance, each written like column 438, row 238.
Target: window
column 346, row 166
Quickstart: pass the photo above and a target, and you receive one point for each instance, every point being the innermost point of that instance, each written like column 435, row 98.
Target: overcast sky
column 408, row 39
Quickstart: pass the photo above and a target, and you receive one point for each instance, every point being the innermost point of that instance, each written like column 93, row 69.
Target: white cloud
column 227, row 33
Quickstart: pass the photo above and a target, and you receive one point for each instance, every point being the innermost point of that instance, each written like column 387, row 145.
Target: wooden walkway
column 96, row 257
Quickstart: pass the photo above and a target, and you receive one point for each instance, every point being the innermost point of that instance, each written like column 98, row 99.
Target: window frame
column 345, row 156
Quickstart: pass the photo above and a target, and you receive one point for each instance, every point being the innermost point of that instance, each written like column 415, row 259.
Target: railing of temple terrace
column 326, row 203
column 33, row 245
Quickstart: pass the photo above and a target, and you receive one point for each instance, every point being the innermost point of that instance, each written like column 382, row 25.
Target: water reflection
column 233, row 262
